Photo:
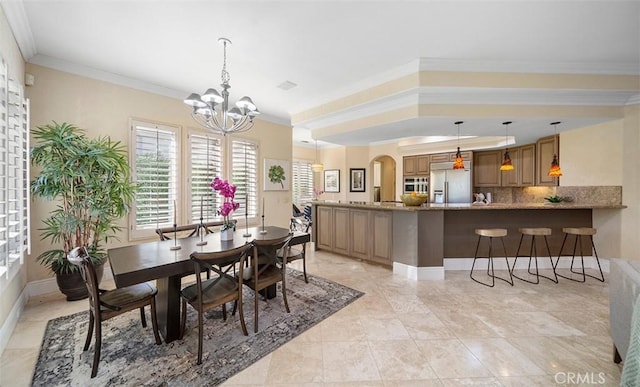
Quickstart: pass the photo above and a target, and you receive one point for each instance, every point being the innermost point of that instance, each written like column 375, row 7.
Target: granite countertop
column 468, row 206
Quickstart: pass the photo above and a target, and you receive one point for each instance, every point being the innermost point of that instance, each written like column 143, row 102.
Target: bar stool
column 579, row 233
column 533, row 254
column 491, row 233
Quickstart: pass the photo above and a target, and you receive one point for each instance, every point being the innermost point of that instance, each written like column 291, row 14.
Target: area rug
column 129, row 356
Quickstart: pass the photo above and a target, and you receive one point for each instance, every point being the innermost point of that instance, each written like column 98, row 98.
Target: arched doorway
column 384, row 179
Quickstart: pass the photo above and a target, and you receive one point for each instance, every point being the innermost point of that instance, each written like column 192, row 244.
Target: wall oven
column 419, row 184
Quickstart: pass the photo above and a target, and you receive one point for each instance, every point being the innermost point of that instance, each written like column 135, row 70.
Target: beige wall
column 630, row 232
column 11, row 53
column 588, row 154
column 104, row 108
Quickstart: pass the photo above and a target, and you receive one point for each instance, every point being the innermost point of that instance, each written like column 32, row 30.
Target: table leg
column 168, row 307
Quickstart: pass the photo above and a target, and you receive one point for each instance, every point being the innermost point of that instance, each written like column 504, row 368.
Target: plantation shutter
column 156, row 174
column 244, row 174
column 206, row 164
column 302, row 181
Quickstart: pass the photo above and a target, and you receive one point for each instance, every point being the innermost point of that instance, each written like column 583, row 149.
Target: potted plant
column 90, row 179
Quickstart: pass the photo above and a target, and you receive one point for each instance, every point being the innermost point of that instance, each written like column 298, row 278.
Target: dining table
column 166, row 263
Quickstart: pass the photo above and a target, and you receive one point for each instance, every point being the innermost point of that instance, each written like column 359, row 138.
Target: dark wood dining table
column 157, row 261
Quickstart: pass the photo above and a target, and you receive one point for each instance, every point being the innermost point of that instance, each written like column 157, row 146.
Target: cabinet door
column 422, row 165
column 528, row 165
column 382, row 223
column 512, row 178
column 324, row 223
column 409, row 165
column 486, row 168
column 439, row 157
column 466, row 155
column 546, row 147
column 360, row 229
column 341, row 231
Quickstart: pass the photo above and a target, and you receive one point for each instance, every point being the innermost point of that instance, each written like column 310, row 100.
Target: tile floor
column 405, row 333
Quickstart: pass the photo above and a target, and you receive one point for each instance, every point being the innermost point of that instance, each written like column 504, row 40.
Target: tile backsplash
column 600, row 195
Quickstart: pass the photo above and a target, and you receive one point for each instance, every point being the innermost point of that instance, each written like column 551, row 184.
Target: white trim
column 467, row 65
column 12, row 320
column 88, row 72
column 499, row 264
column 49, row 285
column 17, row 17
column 418, row 273
column 634, row 100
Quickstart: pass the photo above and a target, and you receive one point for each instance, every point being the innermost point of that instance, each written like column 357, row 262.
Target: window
column 244, row 174
column 14, row 176
column 302, row 181
column 155, row 170
column 206, row 164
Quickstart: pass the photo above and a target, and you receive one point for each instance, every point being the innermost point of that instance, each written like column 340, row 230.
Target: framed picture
column 276, row 175
column 356, row 179
column 332, row 180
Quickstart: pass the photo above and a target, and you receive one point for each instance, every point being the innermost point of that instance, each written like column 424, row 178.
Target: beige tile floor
column 406, row 333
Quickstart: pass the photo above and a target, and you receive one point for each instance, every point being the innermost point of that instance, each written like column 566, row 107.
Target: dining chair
column 224, row 287
column 188, row 230
column 267, row 269
column 105, row 304
column 294, row 254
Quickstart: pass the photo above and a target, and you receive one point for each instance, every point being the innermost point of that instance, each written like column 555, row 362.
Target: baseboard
column 418, row 273
column 522, row 263
column 438, row 272
column 12, row 320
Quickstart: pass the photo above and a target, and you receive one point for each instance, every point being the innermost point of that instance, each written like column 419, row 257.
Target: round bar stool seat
column 534, row 232
column 491, row 233
column 578, row 233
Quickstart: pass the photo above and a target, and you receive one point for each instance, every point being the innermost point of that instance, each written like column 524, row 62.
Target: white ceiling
column 330, row 48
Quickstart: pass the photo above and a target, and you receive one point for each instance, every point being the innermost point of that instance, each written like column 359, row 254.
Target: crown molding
column 471, row 96
column 89, row 72
column 467, row 65
column 19, row 23
column 634, row 100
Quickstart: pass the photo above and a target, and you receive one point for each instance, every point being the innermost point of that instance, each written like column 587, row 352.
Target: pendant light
column 506, row 163
column 555, row 170
column 317, row 166
column 459, row 163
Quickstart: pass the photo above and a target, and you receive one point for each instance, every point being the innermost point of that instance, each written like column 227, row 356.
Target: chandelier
column 211, row 110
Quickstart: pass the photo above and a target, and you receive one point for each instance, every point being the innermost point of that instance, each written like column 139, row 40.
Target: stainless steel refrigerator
column 448, row 185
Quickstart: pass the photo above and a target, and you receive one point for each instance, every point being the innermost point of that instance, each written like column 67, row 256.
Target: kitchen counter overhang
column 423, row 236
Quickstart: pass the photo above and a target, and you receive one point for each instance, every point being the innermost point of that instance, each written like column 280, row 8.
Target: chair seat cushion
column 211, row 294
column 123, row 297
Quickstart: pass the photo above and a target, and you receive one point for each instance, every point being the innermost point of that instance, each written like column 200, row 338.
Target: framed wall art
column 357, row 179
column 276, row 175
column 332, row 180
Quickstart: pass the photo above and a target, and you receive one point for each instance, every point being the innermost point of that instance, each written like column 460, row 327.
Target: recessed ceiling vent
column 287, row 85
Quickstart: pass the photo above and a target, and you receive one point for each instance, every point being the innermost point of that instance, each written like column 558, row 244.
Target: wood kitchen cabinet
column 382, row 241
column 466, row 155
column 546, row 147
column 359, row 233
column 486, row 168
column 333, row 229
column 416, row 165
column 523, row 159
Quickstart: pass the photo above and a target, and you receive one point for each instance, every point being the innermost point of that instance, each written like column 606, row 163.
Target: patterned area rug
column 130, row 357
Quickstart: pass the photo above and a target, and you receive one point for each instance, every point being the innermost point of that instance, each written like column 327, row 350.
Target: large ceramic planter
column 72, row 285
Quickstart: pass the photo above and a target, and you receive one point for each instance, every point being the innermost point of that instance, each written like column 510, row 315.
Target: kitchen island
column 415, row 241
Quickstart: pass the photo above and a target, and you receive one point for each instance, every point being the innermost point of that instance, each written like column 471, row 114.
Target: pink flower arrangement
column 228, row 191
